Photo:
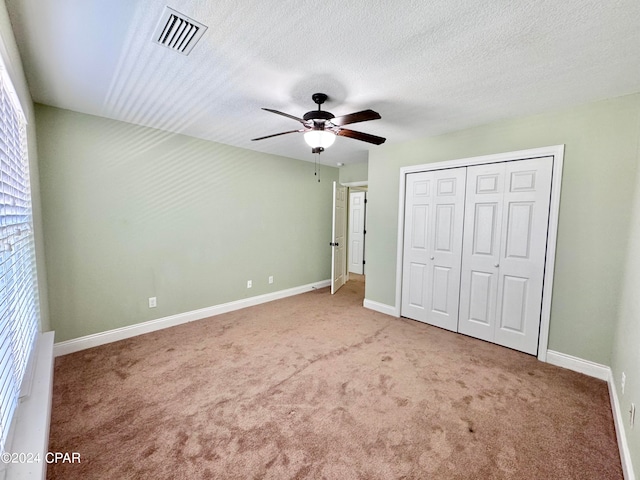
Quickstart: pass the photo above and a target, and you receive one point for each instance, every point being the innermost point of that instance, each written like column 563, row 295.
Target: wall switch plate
column 271, row 279
column 622, row 382
column 152, row 302
column 249, row 284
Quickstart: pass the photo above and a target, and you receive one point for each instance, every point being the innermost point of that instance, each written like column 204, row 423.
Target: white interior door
column 481, row 250
column 446, row 248
column 507, row 211
column 338, row 263
column 356, row 232
column 434, row 216
column 525, row 218
column 416, row 250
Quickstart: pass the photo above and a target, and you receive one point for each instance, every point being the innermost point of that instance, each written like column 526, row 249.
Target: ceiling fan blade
column 362, row 116
column 365, row 137
column 276, row 134
column 284, row 114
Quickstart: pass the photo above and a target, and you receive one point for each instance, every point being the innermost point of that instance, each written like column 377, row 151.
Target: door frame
column 557, row 152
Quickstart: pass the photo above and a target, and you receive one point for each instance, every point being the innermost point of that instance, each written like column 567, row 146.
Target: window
column 19, row 311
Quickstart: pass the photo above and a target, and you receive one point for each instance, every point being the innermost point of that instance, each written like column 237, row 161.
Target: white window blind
column 19, row 311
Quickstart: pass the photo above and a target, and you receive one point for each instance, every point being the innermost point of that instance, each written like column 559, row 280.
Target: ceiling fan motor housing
column 318, row 115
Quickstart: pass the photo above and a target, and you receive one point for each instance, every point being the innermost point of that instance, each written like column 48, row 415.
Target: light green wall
column 598, row 183
column 132, row 212
column 626, row 346
column 357, row 172
column 11, row 58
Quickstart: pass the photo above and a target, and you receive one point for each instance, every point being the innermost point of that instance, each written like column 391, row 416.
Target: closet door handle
column 496, row 265
column 431, row 257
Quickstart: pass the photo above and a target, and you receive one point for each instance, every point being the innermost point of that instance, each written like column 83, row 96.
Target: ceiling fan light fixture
column 319, row 138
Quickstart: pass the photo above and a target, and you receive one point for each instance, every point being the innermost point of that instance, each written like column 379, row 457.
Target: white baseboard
column 89, row 341
column 618, row 419
column 380, row 307
column 30, row 429
column 578, row 365
column 601, row 372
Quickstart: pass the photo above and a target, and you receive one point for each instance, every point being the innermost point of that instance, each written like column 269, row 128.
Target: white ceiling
column 427, row 67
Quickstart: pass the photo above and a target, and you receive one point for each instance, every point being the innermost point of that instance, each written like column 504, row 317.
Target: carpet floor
column 317, row 387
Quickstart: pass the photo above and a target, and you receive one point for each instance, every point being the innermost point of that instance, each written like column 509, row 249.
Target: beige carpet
column 315, row 386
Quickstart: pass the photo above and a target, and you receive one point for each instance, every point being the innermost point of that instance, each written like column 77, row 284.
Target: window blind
column 19, row 311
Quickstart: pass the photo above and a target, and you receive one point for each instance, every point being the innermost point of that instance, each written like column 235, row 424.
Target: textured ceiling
column 427, row 67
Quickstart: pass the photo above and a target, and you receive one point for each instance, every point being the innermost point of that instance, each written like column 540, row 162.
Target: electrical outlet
column 622, row 382
column 249, row 284
column 271, row 279
column 632, row 414
column 152, row 302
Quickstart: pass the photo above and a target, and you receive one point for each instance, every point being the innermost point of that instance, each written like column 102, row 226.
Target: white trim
column 557, row 152
column 601, row 372
column 618, row 420
column 578, row 365
column 400, row 241
column 33, row 416
column 89, row 341
column 364, row 183
column 380, row 307
column 550, row 261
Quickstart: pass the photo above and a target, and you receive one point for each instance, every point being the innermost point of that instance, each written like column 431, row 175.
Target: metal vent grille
column 177, row 31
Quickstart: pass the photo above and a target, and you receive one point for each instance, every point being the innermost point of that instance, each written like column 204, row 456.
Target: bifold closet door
column 434, row 216
column 505, row 241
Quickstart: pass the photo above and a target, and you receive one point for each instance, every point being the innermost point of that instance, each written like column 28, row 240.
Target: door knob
column 496, row 265
column 431, row 257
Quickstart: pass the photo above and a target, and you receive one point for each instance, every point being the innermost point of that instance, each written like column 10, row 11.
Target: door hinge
column 365, row 200
column 365, row 232
column 363, row 262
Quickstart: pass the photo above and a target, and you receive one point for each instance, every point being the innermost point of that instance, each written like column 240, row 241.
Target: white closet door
column 524, row 244
column 481, row 250
column 507, row 211
column 417, row 216
column 446, row 248
column 434, row 212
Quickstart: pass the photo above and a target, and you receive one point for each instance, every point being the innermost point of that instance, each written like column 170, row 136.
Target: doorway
column 357, row 230
column 349, row 263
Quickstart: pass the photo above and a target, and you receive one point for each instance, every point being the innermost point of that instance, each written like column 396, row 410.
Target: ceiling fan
column 320, row 127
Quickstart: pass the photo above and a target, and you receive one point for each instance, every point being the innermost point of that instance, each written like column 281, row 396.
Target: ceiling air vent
column 177, row 31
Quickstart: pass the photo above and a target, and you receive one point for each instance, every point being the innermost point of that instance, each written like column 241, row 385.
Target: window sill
column 33, row 416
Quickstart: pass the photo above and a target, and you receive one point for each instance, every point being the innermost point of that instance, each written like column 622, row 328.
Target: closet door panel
column 481, row 287
column 523, row 249
column 481, row 250
column 418, row 193
column 434, row 214
column 446, row 252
